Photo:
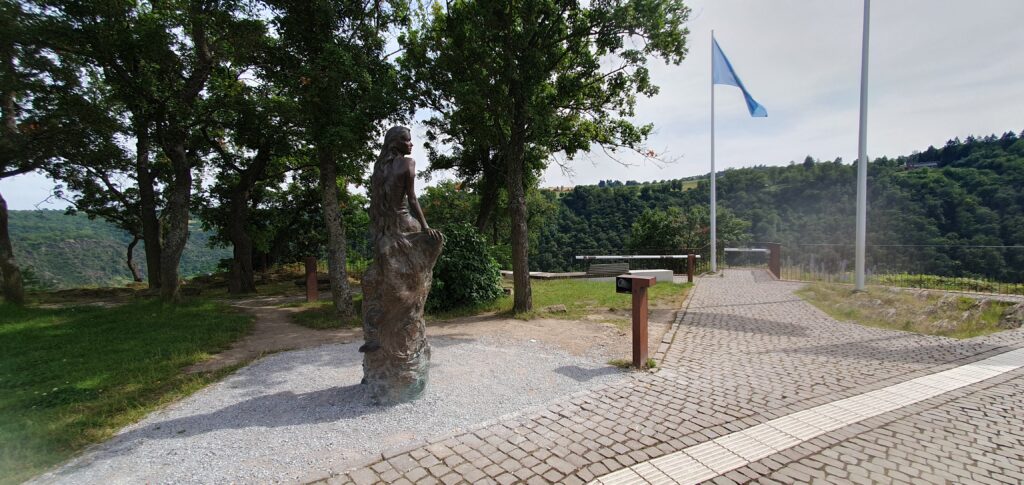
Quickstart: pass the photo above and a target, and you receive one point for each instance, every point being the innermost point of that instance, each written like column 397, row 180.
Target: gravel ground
column 296, row 415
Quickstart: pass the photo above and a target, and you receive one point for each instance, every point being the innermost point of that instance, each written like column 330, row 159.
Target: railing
column 635, row 258
column 985, row 269
column 752, row 255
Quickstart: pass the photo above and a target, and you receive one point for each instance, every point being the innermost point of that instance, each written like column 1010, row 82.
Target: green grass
column 580, row 297
column 628, row 364
column 70, row 377
column 908, row 310
column 948, row 283
column 906, row 280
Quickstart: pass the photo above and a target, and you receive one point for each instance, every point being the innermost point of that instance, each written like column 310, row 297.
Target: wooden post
column 775, row 259
column 689, row 267
column 312, row 284
column 639, row 327
column 637, row 285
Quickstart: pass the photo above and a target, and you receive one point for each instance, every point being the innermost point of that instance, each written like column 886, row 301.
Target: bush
column 465, row 274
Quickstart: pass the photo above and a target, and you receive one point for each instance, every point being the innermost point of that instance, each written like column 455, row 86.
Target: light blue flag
column 724, row 74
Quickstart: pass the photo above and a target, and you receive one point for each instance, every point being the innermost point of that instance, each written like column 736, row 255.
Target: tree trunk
column 522, row 293
column 241, row 279
column 147, row 205
column 488, row 201
column 136, row 274
column 13, row 286
column 336, row 243
column 176, row 212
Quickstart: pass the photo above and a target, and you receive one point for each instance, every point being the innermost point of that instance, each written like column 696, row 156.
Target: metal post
column 775, row 259
column 714, row 202
column 862, row 160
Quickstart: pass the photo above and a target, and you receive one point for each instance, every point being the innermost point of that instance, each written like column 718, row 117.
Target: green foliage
column 513, row 83
column 448, row 204
column 971, row 198
column 452, row 203
column 621, row 363
column 329, row 56
column 465, row 274
column 67, row 251
column 70, row 377
column 673, row 229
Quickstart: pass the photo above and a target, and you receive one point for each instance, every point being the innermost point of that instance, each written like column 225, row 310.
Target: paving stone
column 749, row 351
column 416, row 474
column 364, row 476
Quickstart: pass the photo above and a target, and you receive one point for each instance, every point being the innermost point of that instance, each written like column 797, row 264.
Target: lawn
column 909, row 310
column 580, row 297
column 70, row 377
column 319, row 315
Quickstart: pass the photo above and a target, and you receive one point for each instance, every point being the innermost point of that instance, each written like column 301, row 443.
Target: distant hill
column 957, row 210
column 63, row 251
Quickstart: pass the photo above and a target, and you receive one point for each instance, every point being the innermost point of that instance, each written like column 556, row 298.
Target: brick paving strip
column 732, row 451
column 745, row 352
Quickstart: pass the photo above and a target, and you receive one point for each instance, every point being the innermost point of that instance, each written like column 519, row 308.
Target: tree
column 46, row 114
column 256, row 142
column 530, row 72
column 157, row 59
column 675, row 229
column 329, row 56
column 657, row 229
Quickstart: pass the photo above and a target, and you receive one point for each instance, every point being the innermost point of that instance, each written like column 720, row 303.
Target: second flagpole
column 714, row 233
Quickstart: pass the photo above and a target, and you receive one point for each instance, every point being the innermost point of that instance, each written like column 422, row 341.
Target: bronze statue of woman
column 396, row 355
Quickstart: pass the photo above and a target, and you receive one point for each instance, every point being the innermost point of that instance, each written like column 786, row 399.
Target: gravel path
column 298, row 415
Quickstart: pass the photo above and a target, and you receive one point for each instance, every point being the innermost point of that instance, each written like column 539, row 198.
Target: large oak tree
column 329, row 55
column 540, row 77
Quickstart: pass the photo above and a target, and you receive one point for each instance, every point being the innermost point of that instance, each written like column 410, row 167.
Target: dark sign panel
column 623, row 285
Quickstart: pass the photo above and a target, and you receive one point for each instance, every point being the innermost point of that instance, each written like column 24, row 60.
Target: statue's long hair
column 383, row 217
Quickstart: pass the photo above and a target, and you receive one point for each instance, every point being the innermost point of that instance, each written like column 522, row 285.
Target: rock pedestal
column 396, row 355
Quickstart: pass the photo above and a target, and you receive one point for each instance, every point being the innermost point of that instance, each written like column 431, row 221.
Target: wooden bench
column 607, row 270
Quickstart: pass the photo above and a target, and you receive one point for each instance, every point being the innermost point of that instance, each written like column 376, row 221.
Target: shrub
column 465, row 274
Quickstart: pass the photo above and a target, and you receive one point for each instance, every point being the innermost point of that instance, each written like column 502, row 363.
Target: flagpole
column 714, row 229
column 862, row 161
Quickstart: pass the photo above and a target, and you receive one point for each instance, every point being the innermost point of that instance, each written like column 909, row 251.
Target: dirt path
column 274, row 331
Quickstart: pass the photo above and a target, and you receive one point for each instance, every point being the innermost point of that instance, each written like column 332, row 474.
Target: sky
column 938, row 69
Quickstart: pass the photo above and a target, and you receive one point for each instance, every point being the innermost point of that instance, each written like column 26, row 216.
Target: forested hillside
column 967, row 193
column 57, row 250
column 924, row 210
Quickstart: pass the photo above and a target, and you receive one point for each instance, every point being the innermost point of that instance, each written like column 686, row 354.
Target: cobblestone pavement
column 748, row 351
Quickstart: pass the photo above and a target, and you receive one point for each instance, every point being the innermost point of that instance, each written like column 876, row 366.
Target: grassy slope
column 907, row 310
column 73, row 376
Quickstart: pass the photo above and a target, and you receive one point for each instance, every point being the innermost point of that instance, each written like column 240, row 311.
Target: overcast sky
column 938, row 69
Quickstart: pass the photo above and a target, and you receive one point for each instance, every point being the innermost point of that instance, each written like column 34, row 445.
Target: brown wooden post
column 775, row 259
column 639, row 327
column 690, row 263
column 637, row 285
column 312, row 284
